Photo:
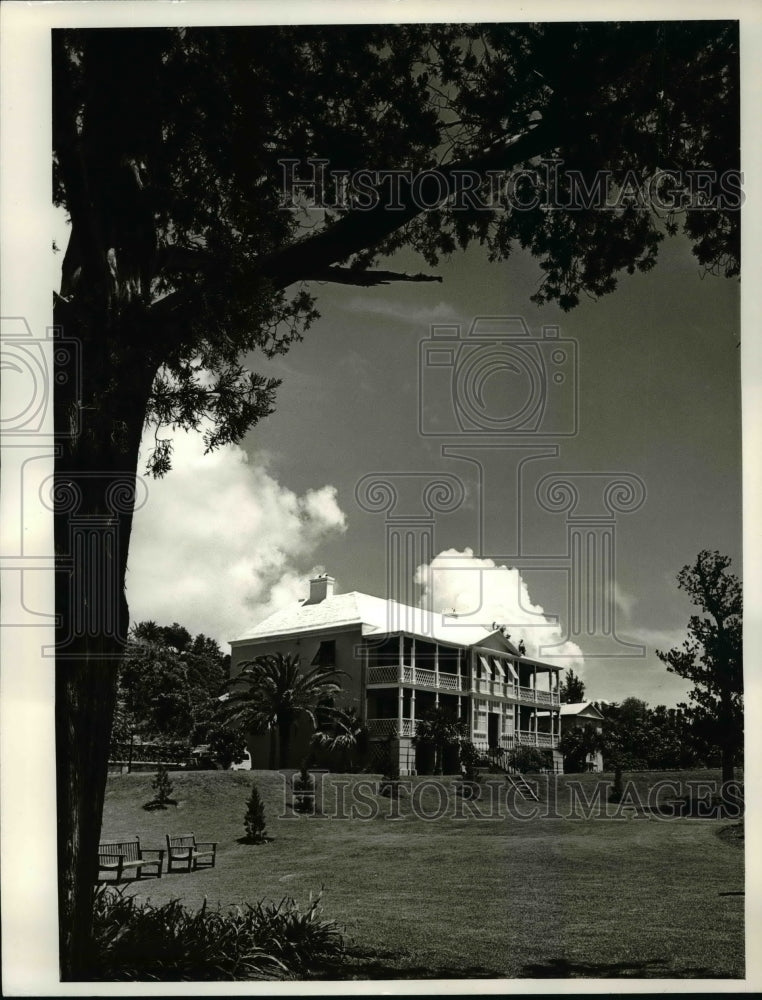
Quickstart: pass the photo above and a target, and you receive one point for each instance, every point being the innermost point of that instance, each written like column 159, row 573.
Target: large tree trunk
column 93, row 501
column 284, row 744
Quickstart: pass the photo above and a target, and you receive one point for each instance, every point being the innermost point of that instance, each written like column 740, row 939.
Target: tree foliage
column 169, row 684
column 341, row 733
column 572, row 688
column 179, row 236
column 441, row 728
column 577, row 744
column 271, row 693
column 711, row 658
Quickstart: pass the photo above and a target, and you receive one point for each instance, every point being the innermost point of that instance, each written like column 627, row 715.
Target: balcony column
column 401, row 656
column 364, row 699
column 412, row 711
column 400, row 709
column 436, row 664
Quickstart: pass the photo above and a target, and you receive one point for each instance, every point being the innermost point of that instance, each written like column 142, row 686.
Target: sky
column 651, row 396
column 658, row 400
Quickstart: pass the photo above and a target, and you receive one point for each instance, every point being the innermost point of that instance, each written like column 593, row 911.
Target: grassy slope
column 452, row 897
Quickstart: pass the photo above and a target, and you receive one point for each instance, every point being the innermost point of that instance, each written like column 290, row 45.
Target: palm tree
column 341, row 731
column 271, row 693
column 442, row 729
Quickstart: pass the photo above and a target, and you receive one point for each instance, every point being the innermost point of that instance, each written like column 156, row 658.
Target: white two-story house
column 400, row 662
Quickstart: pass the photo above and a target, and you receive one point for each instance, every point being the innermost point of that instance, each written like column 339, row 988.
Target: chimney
column 320, row 588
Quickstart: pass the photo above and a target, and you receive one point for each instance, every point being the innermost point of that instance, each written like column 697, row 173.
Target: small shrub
column 135, row 941
column 254, row 821
column 389, row 785
column 162, row 787
column 304, row 791
column 530, row 759
column 469, row 761
column 615, row 795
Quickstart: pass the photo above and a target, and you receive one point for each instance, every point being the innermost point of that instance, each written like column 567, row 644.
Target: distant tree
column 712, row 655
column 441, row 729
column 168, row 685
column 624, row 737
column 226, row 746
column 672, row 741
column 572, row 688
column 577, row 743
column 271, row 693
column 254, row 820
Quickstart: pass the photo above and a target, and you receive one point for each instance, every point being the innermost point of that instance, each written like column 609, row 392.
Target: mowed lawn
column 451, row 896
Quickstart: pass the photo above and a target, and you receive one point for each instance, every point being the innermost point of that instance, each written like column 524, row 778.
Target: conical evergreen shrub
column 254, row 821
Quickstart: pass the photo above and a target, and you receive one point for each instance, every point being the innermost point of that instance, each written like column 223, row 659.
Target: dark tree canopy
column 168, row 145
column 169, row 685
column 572, row 688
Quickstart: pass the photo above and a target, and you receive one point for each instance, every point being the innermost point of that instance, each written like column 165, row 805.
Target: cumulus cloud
column 220, row 543
column 484, row 592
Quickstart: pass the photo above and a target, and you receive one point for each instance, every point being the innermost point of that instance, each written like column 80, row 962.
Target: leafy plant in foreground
column 135, row 941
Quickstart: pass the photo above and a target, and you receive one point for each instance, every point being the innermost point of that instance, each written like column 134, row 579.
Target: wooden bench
column 184, row 852
column 128, row 857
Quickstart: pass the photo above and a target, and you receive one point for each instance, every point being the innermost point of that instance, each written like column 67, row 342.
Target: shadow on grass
column 562, row 968
column 257, row 841
column 363, row 964
column 375, row 965
column 733, row 835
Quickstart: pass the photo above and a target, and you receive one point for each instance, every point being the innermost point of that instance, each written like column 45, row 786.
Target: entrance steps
column 522, row 786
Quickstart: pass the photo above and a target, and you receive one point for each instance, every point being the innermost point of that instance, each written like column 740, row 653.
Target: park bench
column 185, row 852
column 127, row 857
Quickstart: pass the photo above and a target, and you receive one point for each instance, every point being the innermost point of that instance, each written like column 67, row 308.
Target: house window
column 326, row 654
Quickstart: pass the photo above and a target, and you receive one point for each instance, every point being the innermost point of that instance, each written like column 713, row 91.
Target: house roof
column 582, row 708
column 375, row 616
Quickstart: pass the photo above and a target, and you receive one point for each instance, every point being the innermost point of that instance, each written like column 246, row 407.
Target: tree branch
column 362, row 230
column 365, row 279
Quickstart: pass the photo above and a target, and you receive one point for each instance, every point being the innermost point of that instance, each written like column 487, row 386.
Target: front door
column 493, row 730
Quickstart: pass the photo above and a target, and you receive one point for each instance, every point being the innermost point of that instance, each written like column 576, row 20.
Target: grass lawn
column 452, row 897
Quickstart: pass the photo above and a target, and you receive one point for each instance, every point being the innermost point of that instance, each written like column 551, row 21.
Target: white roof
column 579, row 707
column 374, row 615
